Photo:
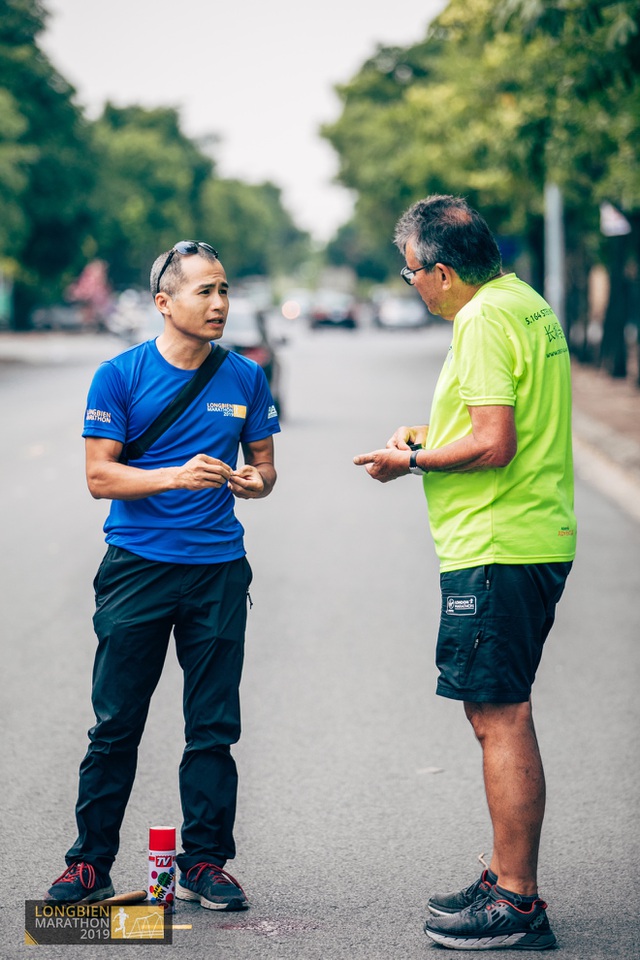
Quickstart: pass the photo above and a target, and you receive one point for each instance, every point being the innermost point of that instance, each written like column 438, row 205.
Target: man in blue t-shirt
column 175, row 561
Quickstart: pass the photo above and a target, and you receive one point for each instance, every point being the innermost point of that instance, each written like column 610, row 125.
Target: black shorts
column 493, row 624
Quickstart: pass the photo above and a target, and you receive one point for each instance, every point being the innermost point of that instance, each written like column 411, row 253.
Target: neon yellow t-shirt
column 508, row 348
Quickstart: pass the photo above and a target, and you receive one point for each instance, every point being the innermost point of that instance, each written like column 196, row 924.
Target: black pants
column 138, row 603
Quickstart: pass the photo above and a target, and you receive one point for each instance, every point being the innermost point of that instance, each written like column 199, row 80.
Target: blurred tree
column 121, row 189
column 155, row 186
column 353, row 246
column 373, row 140
column 249, row 226
column 149, row 190
column 497, row 100
column 595, row 141
column 51, row 175
column 610, row 28
column 14, row 159
column 444, row 116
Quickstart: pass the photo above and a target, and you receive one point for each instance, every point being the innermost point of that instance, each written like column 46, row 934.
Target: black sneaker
column 444, row 904
column 212, row 886
column 80, row 884
column 493, row 923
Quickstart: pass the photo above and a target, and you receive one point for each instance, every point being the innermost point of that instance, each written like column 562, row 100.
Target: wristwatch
column 413, row 464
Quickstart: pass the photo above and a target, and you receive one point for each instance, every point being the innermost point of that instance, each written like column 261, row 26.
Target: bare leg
column 515, row 788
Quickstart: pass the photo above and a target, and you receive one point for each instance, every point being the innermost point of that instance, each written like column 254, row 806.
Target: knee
column 497, row 719
column 117, row 731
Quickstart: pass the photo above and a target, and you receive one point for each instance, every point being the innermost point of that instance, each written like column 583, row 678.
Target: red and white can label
column 162, row 866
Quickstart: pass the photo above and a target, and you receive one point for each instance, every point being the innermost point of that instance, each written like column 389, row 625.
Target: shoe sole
column 183, row 893
column 103, row 894
column 511, row 941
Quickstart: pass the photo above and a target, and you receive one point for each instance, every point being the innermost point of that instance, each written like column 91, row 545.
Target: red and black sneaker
column 212, row 886
column 494, row 923
column 80, row 884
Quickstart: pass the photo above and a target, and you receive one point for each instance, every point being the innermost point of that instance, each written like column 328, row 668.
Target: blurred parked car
column 135, row 317
column 58, row 317
column 330, row 308
column 246, row 332
column 401, row 312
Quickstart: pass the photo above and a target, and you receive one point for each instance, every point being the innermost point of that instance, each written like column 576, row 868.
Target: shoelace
column 483, row 884
column 77, row 871
column 218, row 875
column 482, row 903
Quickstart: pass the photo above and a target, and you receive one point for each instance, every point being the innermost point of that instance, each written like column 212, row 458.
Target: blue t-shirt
column 126, row 395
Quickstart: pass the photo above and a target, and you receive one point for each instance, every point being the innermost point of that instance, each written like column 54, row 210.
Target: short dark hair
column 445, row 229
column 173, row 277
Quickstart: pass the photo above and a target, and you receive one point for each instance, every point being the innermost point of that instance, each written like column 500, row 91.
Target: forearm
column 117, row 481
column 491, row 444
column 466, row 455
column 108, row 479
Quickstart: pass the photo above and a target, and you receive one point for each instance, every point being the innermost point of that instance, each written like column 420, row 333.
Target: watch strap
column 413, row 464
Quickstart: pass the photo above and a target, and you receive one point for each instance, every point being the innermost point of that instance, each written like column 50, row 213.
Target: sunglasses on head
column 185, row 248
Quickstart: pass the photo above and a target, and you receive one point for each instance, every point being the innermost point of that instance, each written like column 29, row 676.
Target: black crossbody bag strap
column 136, row 448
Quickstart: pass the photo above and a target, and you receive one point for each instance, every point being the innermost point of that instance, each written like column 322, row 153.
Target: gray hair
column 445, row 229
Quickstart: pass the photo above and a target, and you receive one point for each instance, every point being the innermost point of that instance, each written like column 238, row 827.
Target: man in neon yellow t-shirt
column 498, row 475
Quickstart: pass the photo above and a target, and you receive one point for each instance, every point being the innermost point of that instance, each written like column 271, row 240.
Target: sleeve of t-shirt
column 106, row 413
column 262, row 416
column 485, row 362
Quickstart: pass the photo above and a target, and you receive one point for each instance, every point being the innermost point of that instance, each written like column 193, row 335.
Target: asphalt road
column 360, row 790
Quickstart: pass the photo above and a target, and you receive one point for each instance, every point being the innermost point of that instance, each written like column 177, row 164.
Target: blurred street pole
column 554, row 251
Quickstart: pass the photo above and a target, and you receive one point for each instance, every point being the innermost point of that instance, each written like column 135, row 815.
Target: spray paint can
column 162, row 866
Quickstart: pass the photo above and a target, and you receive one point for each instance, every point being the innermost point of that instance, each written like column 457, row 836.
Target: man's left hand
column 246, row 483
column 385, row 465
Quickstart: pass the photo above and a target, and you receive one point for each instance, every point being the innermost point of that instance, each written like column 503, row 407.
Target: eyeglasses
column 408, row 275
column 185, row 248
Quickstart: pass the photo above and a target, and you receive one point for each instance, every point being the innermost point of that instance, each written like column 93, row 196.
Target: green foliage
column 45, row 164
column 21, row 21
column 498, row 99
column 14, row 159
column 149, row 190
column 155, row 187
column 123, row 188
column 251, row 229
column 353, row 246
column 608, row 30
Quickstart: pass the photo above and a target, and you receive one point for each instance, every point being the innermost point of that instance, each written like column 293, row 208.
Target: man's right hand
column 202, row 472
column 404, row 437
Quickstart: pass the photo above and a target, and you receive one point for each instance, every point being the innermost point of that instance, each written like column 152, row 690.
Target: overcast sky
column 258, row 73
